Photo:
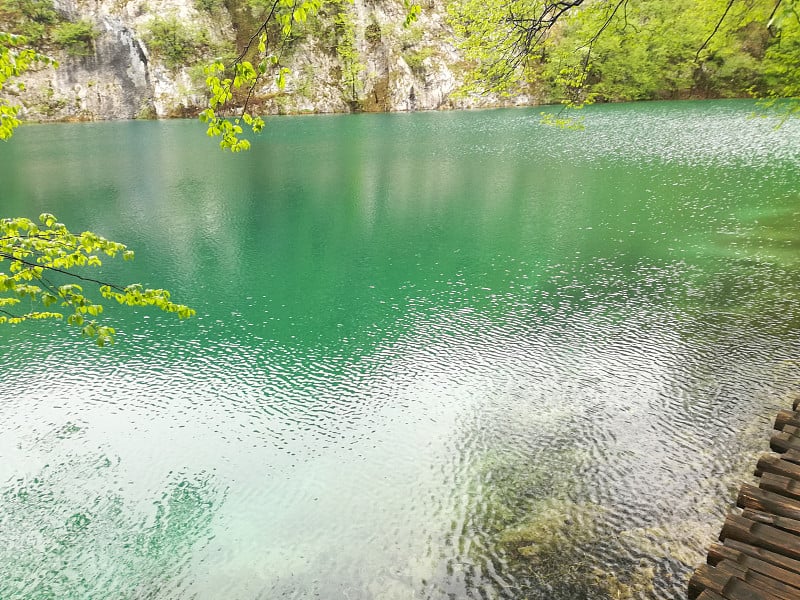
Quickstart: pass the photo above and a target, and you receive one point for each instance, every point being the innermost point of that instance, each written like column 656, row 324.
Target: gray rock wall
column 403, row 69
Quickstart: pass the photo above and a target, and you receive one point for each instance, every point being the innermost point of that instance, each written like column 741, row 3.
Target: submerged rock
column 553, row 525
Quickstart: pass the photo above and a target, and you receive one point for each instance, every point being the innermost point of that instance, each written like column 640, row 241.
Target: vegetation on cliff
column 336, row 55
column 606, row 50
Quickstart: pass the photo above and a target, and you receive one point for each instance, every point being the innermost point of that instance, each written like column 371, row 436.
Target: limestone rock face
column 398, row 69
column 111, row 83
column 114, row 83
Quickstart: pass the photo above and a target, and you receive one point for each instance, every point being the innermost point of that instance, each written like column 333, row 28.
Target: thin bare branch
column 27, row 263
column 716, row 29
column 262, row 27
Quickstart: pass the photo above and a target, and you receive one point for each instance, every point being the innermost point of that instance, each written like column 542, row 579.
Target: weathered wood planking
column 774, row 463
column 759, row 557
column 787, row 417
column 758, row 499
column 719, row 552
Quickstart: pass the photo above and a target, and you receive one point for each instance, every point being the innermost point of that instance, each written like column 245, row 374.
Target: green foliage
column 781, row 61
column 410, row 36
column 30, row 18
column 563, row 120
column 607, row 50
column 272, row 38
column 488, row 42
column 38, row 255
column 221, row 89
column 413, row 11
column 174, row 43
column 372, row 32
column 415, row 58
column 15, row 59
column 41, row 11
column 77, row 38
column 781, row 65
column 210, row 6
column 348, row 54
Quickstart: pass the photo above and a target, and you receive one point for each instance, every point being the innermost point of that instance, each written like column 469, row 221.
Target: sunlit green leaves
column 563, row 120
column 8, row 120
column 15, row 59
column 606, row 50
column 222, row 82
column 781, row 64
column 41, row 254
column 221, row 89
column 413, row 11
column 35, row 256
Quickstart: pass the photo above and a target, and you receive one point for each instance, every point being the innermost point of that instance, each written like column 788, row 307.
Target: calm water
column 436, row 355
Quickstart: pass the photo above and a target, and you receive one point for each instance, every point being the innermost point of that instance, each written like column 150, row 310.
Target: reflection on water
column 436, row 355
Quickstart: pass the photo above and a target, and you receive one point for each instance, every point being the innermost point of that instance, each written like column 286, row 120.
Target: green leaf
column 35, row 253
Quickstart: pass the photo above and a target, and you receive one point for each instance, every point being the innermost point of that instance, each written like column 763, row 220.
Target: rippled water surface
column 451, row 355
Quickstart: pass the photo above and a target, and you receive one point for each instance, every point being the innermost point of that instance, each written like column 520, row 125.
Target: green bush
column 40, row 11
column 174, row 43
column 76, row 38
column 30, row 18
column 373, row 32
column 415, row 58
column 209, row 6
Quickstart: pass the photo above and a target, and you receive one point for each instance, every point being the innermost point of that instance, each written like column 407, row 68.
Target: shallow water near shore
column 436, row 355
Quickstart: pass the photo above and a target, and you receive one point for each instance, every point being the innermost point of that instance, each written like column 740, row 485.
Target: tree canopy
column 621, row 50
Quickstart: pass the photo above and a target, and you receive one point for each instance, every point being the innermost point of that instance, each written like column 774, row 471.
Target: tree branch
column 716, row 29
column 263, row 27
column 30, row 264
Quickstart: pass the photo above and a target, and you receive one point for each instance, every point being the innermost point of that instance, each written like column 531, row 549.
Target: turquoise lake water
column 436, row 355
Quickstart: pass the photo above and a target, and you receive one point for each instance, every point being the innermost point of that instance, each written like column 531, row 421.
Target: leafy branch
column 15, row 59
column 269, row 48
column 35, row 252
column 268, row 43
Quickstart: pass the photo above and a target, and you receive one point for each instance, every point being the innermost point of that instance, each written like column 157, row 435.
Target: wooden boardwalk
column 759, row 554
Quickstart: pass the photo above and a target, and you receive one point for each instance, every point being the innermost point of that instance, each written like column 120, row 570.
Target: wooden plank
column 758, row 499
column 763, row 536
column 774, row 463
column 767, row 556
column 709, row 595
column 726, row 585
column 705, row 578
column 783, row 441
column 791, row 430
column 788, row 525
column 759, row 558
column 758, row 580
column 792, row 456
column 780, row 485
column 787, row 417
column 719, row 552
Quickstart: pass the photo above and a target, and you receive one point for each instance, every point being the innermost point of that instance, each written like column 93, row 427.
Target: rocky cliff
column 143, row 59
